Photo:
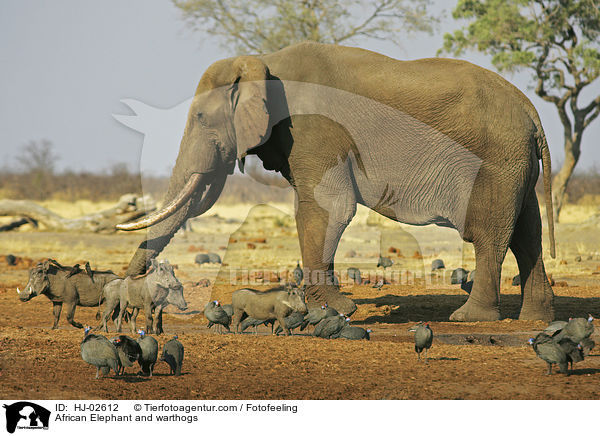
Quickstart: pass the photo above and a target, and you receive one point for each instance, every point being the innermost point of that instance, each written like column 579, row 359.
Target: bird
column 384, row 262
column 587, row 346
column 379, row 284
column 292, row 321
column 217, row 315
column 89, row 271
column 548, row 349
column 173, row 355
column 423, row 338
column 576, row 329
column 228, row 308
column 128, row 350
column 251, row 322
column 516, row 280
column 330, row 326
column 315, row 316
column 353, row 332
column 298, row 274
column 459, row 276
column 437, row 264
column 100, row 352
column 354, row 275
column 149, row 347
column 573, row 351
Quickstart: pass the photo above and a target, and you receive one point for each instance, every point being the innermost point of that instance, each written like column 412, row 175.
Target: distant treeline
column 110, row 185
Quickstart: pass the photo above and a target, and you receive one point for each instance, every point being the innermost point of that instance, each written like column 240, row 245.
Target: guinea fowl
column 549, row 350
column 173, row 355
column 292, row 321
column 100, row 352
column 353, row 332
column 577, row 329
column 298, row 274
column 354, row 275
column 384, row 262
column 128, row 350
column 573, row 351
column 228, row 308
column 149, row 347
column 216, row 315
column 423, row 338
column 331, row 326
column 315, row 316
column 251, row 322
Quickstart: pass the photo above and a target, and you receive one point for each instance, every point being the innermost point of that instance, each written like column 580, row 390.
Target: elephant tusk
column 18, row 290
column 156, row 217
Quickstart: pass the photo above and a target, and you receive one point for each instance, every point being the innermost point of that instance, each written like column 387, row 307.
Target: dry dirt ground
column 486, row 360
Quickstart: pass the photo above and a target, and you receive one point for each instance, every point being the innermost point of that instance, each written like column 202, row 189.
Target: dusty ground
column 467, row 360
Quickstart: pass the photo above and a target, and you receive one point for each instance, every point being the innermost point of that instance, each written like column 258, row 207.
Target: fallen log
column 129, row 208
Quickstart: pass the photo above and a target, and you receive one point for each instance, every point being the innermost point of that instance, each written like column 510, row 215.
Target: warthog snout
column 296, row 301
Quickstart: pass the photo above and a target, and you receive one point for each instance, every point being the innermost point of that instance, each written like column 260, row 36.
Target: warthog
column 273, row 304
column 71, row 286
column 154, row 290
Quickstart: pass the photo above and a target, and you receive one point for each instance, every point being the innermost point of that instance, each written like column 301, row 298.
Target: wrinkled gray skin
column 53, row 281
column 154, row 291
column 273, row 304
column 429, row 141
column 173, row 355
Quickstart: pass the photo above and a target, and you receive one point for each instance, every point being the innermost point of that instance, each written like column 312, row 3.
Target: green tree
column 263, row 26
column 558, row 41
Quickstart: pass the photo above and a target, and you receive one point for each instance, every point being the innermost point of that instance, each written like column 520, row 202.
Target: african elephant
column 430, row 141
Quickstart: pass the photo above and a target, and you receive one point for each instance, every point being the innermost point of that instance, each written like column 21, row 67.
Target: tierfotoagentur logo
column 24, row 415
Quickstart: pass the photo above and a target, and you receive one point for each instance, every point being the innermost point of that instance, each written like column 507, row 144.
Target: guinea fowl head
column 86, row 330
column 590, row 318
column 141, row 332
column 530, row 341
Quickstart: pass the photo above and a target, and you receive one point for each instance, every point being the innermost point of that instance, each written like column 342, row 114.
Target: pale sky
column 67, row 64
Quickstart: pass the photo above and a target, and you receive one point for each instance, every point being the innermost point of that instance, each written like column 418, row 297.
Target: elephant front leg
column 319, row 232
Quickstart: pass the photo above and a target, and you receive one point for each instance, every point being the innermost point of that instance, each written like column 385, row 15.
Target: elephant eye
column 199, row 114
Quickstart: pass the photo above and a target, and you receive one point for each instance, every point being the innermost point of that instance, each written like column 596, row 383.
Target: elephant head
column 228, row 116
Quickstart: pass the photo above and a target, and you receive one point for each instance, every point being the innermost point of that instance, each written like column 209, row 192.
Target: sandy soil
column 467, row 360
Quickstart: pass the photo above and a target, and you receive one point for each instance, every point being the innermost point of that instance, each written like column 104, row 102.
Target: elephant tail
column 544, row 151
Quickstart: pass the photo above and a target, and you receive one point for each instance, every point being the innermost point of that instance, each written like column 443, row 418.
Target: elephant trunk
column 160, row 234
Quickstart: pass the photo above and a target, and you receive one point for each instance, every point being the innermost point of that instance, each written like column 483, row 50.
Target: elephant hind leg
column 536, row 293
column 483, row 304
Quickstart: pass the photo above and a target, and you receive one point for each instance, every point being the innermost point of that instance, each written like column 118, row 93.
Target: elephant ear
column 251, row 117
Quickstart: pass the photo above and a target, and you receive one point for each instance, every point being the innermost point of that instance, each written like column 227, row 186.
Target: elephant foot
column 473, row 312
column 543, row 313
column 317, row 296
